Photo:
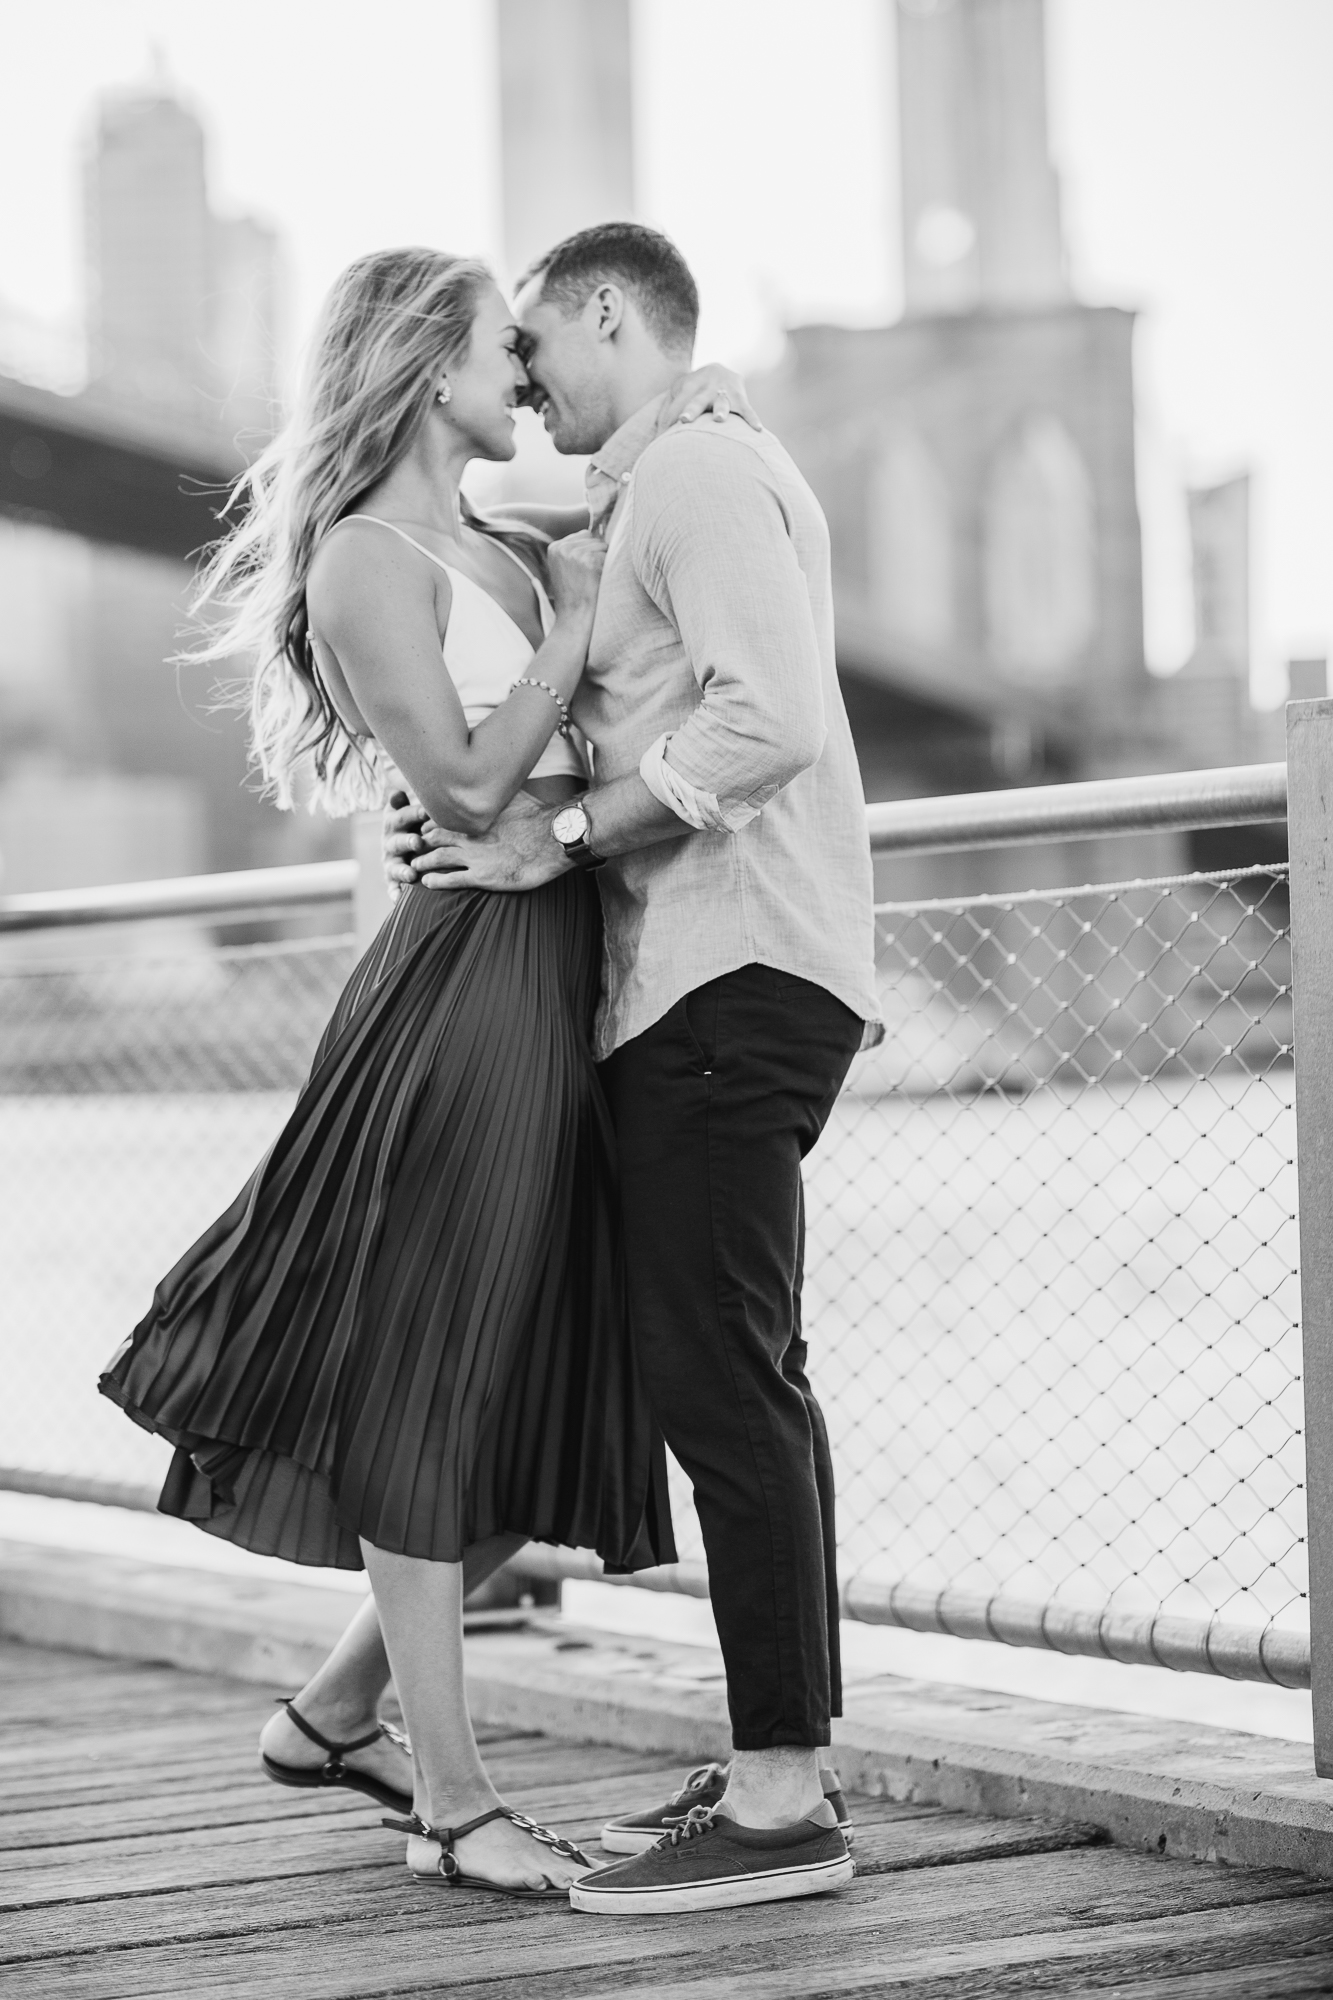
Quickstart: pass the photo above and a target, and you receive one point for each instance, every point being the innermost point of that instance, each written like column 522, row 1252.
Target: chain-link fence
column 1056, row 1289
column 137, row 1093
column 1052, row 1273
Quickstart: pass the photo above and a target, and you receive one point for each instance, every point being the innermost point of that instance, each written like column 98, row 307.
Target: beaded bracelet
column 527, row 681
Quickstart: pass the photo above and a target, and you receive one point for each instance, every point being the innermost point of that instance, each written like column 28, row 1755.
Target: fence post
column 371, row 904
column 1310, row 834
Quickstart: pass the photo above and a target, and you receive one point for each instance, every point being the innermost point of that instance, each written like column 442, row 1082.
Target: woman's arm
column 557, row 522
column 378, row 606
column 711, row 387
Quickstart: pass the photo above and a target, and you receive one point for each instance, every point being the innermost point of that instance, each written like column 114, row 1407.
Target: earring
column 446, row 393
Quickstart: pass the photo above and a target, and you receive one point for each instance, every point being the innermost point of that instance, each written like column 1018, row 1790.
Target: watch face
column 570, row 825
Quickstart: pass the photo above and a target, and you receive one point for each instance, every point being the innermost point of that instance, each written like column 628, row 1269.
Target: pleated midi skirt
column 410, row 1325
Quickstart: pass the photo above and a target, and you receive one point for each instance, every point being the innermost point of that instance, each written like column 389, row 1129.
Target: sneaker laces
column 698, row 1820
column 697, row 1780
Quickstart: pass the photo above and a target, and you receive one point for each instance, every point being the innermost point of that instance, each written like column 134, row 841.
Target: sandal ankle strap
column 334, row 1749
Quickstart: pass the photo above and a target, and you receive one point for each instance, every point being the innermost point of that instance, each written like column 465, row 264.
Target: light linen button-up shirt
column 711, row 668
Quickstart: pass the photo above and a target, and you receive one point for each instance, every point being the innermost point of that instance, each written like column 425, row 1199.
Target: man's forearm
column 521, row 852
column 624, row 816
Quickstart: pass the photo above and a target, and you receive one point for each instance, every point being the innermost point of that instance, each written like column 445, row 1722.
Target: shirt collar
column 608, row 473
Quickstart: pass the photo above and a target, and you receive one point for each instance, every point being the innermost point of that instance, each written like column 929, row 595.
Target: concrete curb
column 1202, row 1793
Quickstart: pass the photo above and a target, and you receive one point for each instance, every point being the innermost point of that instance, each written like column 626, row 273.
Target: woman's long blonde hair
column 392, row 323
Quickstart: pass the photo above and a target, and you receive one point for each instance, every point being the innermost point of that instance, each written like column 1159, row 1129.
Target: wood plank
column 252, row 1849
column 286, row 1905
column 1155, row 1955
column 232, row 1798
column 1291, row 1979
column 956, row 1838
column 891, row 1835
column 78, row 1707
column 26, row 1667
column 193, row 1810
column 190, row 1874
column 147, row 1864
column 922, row 1837
column 157, row 1747
column 880, row 1936
column 66, row 1788
column 75, row 1783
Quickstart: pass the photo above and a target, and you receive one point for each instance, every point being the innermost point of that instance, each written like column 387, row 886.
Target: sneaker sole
column 637, row 1839
column 728, row 1893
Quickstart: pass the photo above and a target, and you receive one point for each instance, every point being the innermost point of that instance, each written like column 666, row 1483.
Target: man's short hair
column 642, row 261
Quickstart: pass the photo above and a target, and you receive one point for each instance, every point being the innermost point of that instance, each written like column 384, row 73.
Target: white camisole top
column 485, row 652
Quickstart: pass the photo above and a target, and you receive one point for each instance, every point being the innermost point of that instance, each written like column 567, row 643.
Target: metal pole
column 1310, row 831
column 254, row 892
column 372, row 903
column 1236, row 795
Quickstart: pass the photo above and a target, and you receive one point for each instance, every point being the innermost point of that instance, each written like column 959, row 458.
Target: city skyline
column 816, row 220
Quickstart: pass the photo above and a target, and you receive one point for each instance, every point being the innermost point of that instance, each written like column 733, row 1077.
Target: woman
column 403, row 1346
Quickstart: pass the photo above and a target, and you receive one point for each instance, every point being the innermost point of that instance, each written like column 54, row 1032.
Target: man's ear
column 604, row 314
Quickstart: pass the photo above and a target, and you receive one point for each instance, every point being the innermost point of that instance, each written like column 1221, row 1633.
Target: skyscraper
column 148, row 235
column 566, row 120
column 182, row 304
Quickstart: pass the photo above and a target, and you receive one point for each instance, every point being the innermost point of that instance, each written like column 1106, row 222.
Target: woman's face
column 488, row 382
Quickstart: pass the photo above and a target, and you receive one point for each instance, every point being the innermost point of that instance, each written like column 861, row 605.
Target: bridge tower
column 976, row 460
column 566, row 120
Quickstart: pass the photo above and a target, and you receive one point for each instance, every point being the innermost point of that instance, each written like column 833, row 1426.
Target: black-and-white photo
column 666, row 999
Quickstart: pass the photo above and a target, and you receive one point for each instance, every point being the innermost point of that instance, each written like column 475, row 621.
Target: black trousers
column 715, row 1107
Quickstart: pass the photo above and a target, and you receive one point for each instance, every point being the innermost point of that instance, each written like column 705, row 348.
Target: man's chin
column 571, row 445
column 564, row 435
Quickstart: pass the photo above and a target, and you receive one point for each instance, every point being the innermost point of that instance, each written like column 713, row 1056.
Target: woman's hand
column 575, row 569
column 714, row 388
column 404, row 822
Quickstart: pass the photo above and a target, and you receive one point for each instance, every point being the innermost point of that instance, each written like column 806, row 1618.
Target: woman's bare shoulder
column 360, row 569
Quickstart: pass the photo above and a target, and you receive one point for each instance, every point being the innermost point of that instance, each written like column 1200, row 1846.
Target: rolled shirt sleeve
column 711, row 544
column 701, row 810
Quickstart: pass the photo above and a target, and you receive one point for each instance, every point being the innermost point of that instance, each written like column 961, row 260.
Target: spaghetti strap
column 393, row 530
column 544, row 604
column 543, row 597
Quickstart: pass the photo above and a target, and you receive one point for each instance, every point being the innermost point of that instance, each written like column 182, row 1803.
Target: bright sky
column 1194, row 139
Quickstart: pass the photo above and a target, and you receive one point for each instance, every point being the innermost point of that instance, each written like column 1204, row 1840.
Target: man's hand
column 518, row 852
column 403, row 822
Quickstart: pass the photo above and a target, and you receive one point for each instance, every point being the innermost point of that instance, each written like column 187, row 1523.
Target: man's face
column 569, row 368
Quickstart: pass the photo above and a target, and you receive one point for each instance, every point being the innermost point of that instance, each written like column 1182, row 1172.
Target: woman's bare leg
column 421, row 1606
column 342, row 1698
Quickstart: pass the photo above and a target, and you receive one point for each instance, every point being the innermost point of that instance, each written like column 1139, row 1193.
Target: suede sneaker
column 635, row 1833
column 708, row 1861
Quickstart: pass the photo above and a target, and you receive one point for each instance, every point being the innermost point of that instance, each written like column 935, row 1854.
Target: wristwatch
column 571, row 828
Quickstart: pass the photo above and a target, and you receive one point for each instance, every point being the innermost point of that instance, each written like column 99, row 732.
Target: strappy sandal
column 448, row 1869
column 335, row 1771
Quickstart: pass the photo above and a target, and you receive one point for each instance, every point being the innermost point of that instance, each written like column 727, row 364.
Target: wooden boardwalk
column 141, row 1854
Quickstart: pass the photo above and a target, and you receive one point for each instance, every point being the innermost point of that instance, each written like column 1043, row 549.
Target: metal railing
column 1052, row 1269
column 252, row 893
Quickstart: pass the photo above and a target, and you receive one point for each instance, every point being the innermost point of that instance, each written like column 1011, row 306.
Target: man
column 727, row 823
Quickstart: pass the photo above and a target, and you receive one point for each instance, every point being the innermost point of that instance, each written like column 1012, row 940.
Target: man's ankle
column 770, row 1788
